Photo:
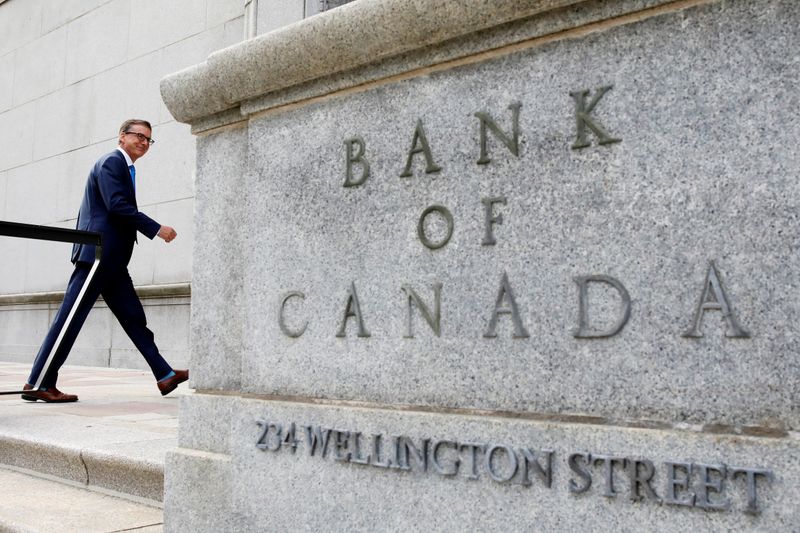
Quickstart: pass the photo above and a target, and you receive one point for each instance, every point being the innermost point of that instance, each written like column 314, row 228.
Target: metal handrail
column 49, row 233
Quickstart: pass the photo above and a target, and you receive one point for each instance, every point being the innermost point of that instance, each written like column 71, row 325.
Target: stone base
column 429, row 481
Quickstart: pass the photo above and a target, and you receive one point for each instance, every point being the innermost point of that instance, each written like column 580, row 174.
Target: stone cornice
column 357, row 34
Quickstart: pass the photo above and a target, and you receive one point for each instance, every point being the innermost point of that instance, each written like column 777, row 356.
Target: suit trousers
column 116, row 287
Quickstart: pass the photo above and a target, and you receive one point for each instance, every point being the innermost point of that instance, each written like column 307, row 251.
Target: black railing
column 48, row 233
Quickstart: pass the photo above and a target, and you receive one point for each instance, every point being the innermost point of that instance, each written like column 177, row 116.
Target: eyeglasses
column 141, row 137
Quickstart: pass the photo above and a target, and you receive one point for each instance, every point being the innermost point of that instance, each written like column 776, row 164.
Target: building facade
column 70, row 73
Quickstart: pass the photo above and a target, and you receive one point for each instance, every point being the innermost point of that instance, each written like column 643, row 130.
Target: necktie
column 133, row 176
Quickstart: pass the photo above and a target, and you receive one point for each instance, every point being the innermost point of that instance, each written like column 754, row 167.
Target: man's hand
column 167, row 233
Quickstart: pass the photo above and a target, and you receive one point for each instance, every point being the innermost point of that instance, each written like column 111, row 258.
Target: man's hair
column 133, row 122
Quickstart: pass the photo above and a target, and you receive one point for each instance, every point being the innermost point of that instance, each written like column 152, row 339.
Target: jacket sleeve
column 116, row 193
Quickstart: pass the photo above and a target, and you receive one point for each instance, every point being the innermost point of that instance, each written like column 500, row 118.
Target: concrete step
column 114, row 439
column 31, row 503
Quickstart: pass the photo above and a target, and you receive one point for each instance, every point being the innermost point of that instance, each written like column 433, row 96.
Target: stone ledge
column 353, row 35
column 173, row 290
column 123, row 475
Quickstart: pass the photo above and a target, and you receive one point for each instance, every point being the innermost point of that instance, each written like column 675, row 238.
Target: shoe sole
column 29, row 398
column 175, row 386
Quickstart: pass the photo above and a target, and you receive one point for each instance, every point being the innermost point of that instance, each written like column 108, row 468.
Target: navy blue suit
column 108, row 207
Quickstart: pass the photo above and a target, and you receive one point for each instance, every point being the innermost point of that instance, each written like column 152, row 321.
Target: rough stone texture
column 687, row 185
column 291, row 490
column 216, row 335
column 209, row 509
column 347, row 37
column 704, row 172
column 545, row 26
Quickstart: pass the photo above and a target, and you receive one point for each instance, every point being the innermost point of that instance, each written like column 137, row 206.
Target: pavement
column 62, row 464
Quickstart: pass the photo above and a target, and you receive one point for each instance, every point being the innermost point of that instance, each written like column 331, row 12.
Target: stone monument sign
column 478, row 265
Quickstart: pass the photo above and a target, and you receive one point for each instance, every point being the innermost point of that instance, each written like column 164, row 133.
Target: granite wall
column 522, row 266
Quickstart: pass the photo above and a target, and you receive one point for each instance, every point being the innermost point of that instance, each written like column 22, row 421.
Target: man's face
column 135, row 145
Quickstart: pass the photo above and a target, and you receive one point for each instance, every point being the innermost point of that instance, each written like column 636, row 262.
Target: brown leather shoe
column 170, row 384
column 51, row 395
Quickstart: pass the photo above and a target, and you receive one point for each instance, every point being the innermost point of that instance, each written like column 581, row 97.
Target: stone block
column 47, row 266
column 153, row 27
column 214, row 414
column 116, row 469
column 129, row 90
column 68, row 10
column 12, row 277
column 274, row 14
column 222, row 11
column 623, row 205
column 39, row 66
column 185, row 471
column 20, row 23
column 58, row 461
column 99, row 41
column 73, row 169
column 173, row 261
column 591, row 327
column 7, row 80
column 53, row 134
column 168, row 319
column 33, row 192
column 17, row 128
column 462, row 491
column 234, row 31
column 22, row 331
column 97, row 332
column 216, row 351
column 167, row 171
column 3, row 183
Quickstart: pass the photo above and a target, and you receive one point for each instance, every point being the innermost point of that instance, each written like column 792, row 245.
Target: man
column 108, row 207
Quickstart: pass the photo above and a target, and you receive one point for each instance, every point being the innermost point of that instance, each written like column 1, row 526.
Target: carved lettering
column 582, row 471
column 448, row 217
column 511, row 143
column 437, row 465
column 317, row 439
column 504, row 294
column 510, row 471
column 419, row 144
column 293, row 333
column 289, row 438
column 410, row 451
column 490, row 220
column 377, row 452
column 355, row 445
column 707, row 486
column 583, row 118
column 608, row 463
column 355, row 158
column 674, row 484
column 433, row 319
column 473, row 450
column 713, row 298
column 750, row 474
column 584, row 331
column 641, row 474
column 530, row 458
column 353, row 309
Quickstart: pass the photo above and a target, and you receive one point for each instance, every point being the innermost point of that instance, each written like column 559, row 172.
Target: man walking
column 108, row 207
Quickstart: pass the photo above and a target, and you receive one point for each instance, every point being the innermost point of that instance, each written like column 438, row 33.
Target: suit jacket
column 109, row 207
